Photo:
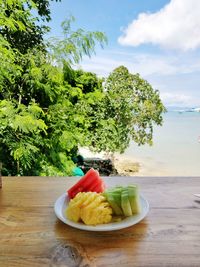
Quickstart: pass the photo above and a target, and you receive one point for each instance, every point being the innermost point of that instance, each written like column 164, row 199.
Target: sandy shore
column 128, row 166
column 132, row 166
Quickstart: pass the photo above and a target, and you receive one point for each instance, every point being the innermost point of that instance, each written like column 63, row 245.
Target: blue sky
column 160, row 39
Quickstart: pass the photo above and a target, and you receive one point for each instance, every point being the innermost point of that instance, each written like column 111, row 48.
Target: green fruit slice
column 116, row 208
column 125, row 203
column 134, row 199
column 117, row 198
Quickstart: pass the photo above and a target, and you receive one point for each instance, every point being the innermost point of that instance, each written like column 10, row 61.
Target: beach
column 175, row 150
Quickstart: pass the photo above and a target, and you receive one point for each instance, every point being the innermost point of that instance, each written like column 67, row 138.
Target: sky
column 159, row 39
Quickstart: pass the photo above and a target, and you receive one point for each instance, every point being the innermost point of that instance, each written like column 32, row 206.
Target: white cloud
column 176, row 78
column 144, row 63
column 176, row 26
column 101, row 65
column 176, row 99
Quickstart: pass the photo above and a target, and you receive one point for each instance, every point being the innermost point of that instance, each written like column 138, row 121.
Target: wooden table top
column 31, row 235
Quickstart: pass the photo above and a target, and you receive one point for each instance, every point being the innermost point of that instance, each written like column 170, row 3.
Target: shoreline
column 132, row 166
column 174, row 153
column 122, row 166
column 125, row 166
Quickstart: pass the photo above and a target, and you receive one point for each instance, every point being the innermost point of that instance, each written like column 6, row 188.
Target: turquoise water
column 176, row 148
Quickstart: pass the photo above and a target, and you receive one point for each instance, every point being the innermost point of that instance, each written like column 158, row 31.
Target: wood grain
column 31, row 235
column 0, row 175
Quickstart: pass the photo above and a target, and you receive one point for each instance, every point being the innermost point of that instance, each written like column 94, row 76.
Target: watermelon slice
column 98, row 186
column 90, row 180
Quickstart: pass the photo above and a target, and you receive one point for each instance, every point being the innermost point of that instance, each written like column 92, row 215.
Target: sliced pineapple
column 90, row 207
column 74, row 208
column 96, row 214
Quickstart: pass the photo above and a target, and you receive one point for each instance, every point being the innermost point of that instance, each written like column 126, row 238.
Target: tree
column 19, row 27
column 48, row 109
column 128, row 110
column 38, row 129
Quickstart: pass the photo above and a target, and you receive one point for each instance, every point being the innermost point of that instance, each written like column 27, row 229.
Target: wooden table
column 31, row 235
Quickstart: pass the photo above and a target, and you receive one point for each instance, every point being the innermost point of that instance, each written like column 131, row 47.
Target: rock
column 105, row 167
column 108, row 166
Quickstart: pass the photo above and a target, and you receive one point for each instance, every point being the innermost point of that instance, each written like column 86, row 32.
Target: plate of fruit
column 91, row 205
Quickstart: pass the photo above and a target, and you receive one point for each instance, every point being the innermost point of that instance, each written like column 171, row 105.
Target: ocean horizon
column 176, row 146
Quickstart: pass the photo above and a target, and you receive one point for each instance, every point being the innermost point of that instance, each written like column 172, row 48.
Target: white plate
column 61, row 205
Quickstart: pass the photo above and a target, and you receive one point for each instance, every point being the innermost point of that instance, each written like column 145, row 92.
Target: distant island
column 183, row 109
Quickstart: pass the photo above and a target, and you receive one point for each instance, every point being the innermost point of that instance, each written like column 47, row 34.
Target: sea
column 176, row 146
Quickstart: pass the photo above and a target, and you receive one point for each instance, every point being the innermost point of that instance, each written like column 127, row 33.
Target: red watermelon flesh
column 99, row 188
column 96, row 184
column 85, row 183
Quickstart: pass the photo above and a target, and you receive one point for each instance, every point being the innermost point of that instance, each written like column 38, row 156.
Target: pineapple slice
column 90, row 207
column 96, row 214
column 74, row 208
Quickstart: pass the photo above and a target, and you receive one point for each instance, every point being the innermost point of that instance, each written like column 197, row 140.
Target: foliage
column 126, row 110
column 40, row 127
column 20, row 125
column 75, row 43
column 48, row 109
column 134, row 105
column 19, row 27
